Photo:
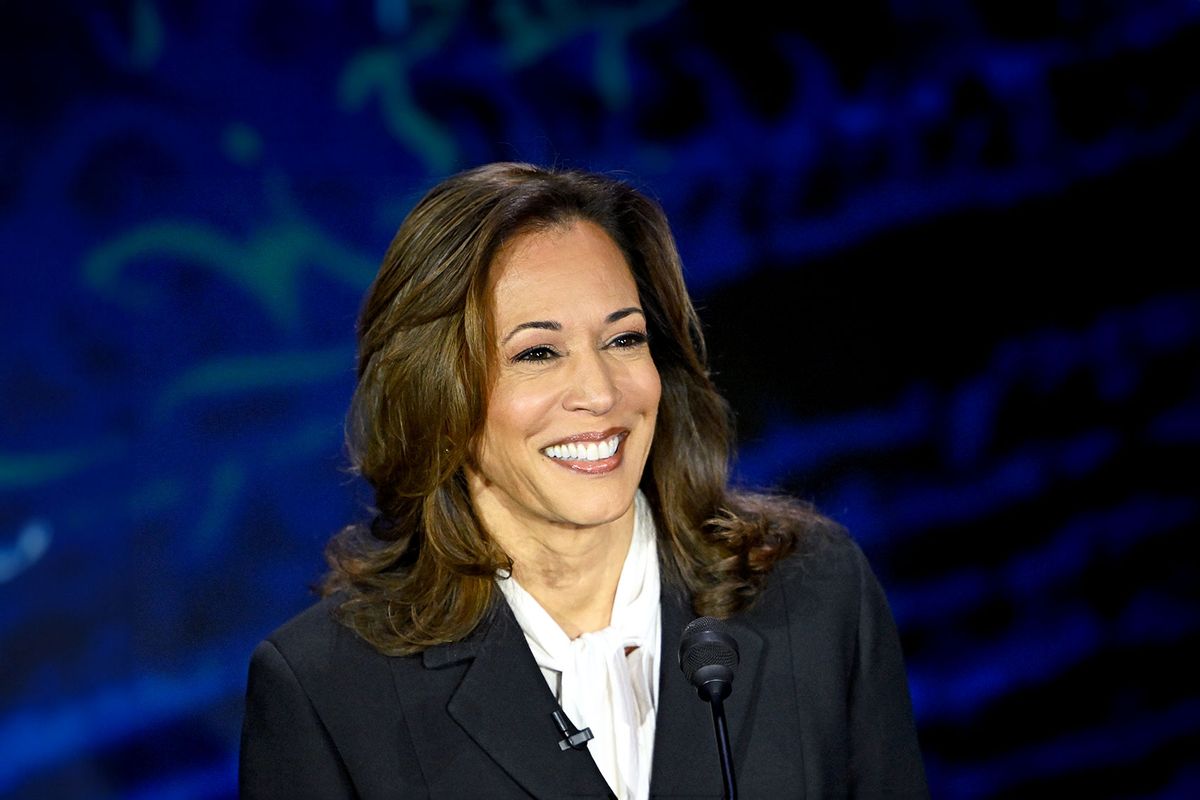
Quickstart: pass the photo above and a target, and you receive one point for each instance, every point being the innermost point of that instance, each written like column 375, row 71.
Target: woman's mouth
column 587, row 454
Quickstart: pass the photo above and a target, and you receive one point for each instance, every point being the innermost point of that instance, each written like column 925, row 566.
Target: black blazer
column 819, row 708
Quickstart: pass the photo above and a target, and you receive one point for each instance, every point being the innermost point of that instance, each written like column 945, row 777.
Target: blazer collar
column 505, row 706
column 685, row 751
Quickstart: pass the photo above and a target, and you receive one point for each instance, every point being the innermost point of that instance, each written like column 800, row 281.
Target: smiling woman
column 573, row 376
column 549, row 460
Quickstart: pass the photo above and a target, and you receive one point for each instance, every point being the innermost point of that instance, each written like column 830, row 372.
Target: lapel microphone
column 708, row 654
column 573, row 738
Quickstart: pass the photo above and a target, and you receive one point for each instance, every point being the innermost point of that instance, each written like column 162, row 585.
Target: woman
column 549, row 460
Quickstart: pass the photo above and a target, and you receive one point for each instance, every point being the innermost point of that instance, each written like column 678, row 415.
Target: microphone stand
column 723, row 749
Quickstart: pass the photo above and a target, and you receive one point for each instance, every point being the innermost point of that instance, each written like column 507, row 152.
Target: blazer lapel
column 685, row 751
column 505, row 706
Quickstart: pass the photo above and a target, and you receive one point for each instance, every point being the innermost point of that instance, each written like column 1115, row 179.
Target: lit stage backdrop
column 944, row 252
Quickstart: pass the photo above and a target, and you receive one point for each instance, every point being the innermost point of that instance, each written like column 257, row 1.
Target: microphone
column 708, row 654
column 573, row 738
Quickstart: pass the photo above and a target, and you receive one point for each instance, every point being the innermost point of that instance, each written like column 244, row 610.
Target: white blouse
column 596, row 683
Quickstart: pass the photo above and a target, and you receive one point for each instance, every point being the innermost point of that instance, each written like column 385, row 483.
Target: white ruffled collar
column 597, row 684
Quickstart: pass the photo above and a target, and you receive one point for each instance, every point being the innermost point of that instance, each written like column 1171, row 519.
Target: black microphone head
column 708, row 654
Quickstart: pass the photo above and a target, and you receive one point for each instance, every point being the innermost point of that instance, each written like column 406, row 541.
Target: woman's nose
column 592, row 387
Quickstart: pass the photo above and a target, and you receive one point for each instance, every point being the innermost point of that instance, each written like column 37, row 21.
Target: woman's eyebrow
column 623, row 313
column 542, row 324
column 550, row 325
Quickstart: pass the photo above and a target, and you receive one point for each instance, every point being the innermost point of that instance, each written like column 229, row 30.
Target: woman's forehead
column 559, row 270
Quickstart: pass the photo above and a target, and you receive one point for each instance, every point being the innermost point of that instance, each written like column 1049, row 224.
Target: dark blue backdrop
column 944, row 250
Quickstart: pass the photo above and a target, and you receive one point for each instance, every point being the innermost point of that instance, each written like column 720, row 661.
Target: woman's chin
column 582, row 511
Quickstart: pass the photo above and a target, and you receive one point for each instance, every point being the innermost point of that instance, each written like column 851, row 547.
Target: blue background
column 944, row 252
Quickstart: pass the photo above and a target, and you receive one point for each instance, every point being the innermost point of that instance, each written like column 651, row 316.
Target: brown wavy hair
column 421, row 571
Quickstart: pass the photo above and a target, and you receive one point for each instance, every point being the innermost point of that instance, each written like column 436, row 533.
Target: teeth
column 591, row 451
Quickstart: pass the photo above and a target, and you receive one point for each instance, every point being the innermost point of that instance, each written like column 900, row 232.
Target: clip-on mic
column 573, row 738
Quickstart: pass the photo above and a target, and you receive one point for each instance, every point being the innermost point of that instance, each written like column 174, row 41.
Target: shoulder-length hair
column 422, row 571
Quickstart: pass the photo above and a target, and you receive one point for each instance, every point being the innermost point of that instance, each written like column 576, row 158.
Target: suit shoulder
column 320, row 650
column 314, row 679
column 312, row 626
column 825, row 576
column 825, row 551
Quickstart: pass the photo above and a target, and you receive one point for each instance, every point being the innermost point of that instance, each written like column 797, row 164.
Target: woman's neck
column 572, row 572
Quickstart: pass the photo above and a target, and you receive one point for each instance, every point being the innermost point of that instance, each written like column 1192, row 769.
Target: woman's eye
column 630, row 339
column 539, row 353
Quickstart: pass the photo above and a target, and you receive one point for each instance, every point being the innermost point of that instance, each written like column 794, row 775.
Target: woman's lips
column 589, row 453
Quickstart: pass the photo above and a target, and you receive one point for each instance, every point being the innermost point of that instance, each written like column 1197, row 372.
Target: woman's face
column 571, row 413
